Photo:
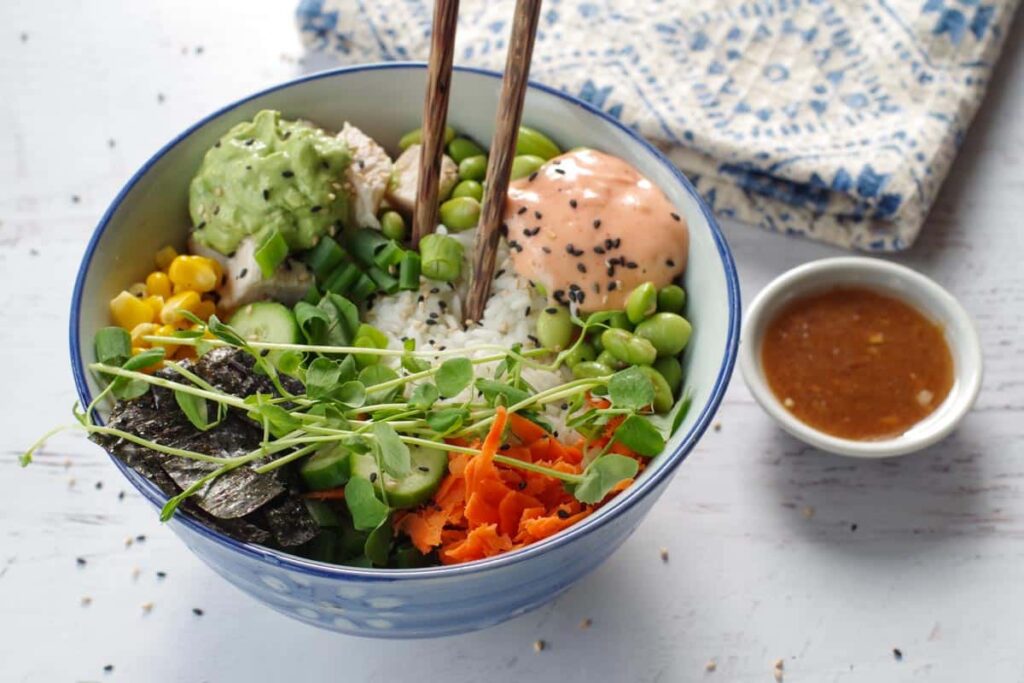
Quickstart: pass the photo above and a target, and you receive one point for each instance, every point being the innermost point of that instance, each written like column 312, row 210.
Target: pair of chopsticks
column 503, row 145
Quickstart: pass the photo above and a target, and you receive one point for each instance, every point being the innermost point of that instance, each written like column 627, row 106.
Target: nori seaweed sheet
column 255, row 508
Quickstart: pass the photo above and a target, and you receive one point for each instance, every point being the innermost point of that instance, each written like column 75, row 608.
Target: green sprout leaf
column 127, row 388
column 278, row 420
column 367, row 512
column 322, row 377
column 371, row 376
column 351, row 393
column 446, row 421
column 342, row 319
column 630, row 388
column 500, row 391
column 394, row 455
column 378, row 543
column 113, row 346
column 423, row 396
column 640, row 436
column 453, row 376
column 195, row 410
column 602, row 475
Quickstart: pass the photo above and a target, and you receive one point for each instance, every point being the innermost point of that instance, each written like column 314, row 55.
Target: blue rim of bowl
column 627, row 499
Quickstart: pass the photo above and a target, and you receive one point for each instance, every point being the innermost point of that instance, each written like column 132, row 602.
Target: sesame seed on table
column 843, row 570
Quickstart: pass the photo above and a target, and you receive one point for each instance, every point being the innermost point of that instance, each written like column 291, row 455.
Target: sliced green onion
column 113, row 346
column 271, row 252
column 365, row 244
column 383, row 280
column 441, row 257
column 342, row 278
column 325, row 257
column 389, row 255
column 409, row 272
column 362, row 287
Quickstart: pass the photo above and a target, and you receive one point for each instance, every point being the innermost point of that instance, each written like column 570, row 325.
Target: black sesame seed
column 266, row 195
column 538, row 215
column 533, row 339
column 435, row 290
column 503, row 229
column 373, row 477
column 608, row 244
column 288, row 174
column 521, row 211
column 612, row 286
column 108, row 668
column 563, row 514
column 599, row 249
column 533, row 176
column 504, row 447
column 431, row 321
column 560, row 171
column 531, row 232
column 316, row 209
column 572, row 203
column 80, row 561
column 442, row 305
column 559, row 295
column 551, row 310
column 120, row 495
column 898, row 654
column 99, row 485
column 264, row 353
column 546, row 250
column 631, row 265
column 675, row 216
column 580, row 267
column 75, row 199
column 423, row 468
column 597, row 223
column 248, row 143
column 597, row 288
column 242, row 273
column 197, row 611
column 161, row 575
column 670, row 263
column 611, row 270
column 500, row 272
column 521, row 485
column 433, row 314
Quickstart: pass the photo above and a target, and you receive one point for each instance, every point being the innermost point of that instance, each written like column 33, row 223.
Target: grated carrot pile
column 482, row 508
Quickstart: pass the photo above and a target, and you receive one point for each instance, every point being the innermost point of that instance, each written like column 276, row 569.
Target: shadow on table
column 895, row 507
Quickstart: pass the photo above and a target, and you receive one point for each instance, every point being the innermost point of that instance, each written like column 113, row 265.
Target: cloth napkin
column 833, row 119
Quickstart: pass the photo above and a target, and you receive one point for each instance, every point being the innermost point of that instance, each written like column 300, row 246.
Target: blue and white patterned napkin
column 834, row 119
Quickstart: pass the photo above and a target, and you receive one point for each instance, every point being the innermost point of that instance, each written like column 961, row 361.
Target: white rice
column 510, row 317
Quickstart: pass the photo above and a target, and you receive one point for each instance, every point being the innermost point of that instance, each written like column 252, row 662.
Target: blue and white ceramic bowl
column 386, row 101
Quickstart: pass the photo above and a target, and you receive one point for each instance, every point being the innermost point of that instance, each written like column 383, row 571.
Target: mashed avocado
column 269, row 173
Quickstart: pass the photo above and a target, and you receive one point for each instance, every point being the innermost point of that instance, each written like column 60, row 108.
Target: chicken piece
column 244, row 282
column 405, row 178
column 367, row 175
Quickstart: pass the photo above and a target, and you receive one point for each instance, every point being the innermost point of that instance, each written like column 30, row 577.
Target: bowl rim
column 806, row 278
column 629, row 498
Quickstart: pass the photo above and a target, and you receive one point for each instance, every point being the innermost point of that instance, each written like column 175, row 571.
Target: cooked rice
column 509, row 318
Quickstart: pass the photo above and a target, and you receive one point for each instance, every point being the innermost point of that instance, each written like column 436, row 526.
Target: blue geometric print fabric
column 834, row 119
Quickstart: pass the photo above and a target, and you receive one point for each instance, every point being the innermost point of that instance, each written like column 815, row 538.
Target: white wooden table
column 776, row 551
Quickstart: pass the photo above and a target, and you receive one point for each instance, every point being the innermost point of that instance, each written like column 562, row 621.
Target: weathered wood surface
column 775, row 550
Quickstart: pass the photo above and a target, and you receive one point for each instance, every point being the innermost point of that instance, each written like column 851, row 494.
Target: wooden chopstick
column 503, row 150
column 435, row 114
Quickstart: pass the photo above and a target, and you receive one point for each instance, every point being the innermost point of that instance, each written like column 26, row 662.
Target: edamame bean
column 536, row 143
column 460, row 213
column 525, row 164
column 606, row 357
column 671, row 299
column 469, row 188
column 554, row 328
column 667, row 332
column 628, row 347
column 588, row 369
column 392, row 225
column 473, row 168
column 642, row 302
column 415, row 137
column 583, row 352
column 662, row 391
column 672, row 371
column 461, row 148
column 619, row 321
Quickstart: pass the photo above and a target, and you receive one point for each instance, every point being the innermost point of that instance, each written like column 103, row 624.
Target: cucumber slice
column 429, row 466
column 267, row 321
column 326, row 469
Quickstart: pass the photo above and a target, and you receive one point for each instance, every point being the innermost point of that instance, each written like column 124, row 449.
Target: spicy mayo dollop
column 589, row 228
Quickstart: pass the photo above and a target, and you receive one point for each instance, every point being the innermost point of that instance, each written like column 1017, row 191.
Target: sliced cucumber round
column 328, row 468
column 267, row 321
column 429, row 465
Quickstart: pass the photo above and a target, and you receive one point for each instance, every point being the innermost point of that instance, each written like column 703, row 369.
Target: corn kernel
column 129, row 311
column 156, row 304
column 165, row 256
column 193, row 272
column 140, row 331
column 158, row 284
column 136, row 350
column 205, row 309
column 166, row 331
column 188, row 301
column 138, row 289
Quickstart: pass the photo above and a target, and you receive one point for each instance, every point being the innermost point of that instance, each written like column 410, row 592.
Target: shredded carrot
column 483, row 508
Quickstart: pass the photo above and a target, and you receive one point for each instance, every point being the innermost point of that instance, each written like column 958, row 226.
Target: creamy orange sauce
column 589, row 228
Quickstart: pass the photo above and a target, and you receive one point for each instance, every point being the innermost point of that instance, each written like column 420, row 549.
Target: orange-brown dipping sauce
column 590, row 228
column 856, row 364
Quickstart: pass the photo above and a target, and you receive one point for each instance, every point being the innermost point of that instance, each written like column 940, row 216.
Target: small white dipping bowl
column 887, row 278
